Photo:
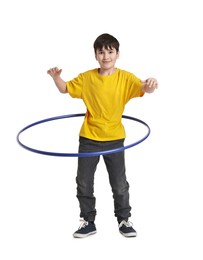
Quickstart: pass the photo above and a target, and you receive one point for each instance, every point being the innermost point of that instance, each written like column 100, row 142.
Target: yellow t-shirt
column 105, row 98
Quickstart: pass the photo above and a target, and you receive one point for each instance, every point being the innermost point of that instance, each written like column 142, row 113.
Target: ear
column 95, row 56
column 118, row 54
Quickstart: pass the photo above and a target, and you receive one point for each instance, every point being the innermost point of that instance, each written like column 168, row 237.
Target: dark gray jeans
column 115, row 164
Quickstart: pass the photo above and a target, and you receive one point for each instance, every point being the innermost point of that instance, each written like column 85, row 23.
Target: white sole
column 77, row 235
column 131, row 234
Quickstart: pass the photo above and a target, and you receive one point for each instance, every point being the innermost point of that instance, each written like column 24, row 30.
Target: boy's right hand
column 54, row 72
column 59, row 82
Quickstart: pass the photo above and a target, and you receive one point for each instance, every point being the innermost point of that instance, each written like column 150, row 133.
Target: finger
column 56, row 70
column 152, row 83
column 149, row 82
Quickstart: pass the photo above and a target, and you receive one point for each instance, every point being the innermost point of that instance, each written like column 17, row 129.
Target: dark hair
column 106, row 41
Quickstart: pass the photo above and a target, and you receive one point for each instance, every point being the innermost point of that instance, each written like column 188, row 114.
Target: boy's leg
column 85, row 181
column 115, row 164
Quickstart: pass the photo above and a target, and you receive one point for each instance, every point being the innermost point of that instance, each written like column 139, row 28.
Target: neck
column 107, row 72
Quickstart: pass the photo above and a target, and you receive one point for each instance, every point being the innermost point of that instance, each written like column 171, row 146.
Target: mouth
column 106, row 61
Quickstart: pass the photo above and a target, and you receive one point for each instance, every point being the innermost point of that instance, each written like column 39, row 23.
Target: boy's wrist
column 56, row 78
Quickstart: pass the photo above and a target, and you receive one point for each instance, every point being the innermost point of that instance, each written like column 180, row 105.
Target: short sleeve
column 75, row 86
column 134, row 88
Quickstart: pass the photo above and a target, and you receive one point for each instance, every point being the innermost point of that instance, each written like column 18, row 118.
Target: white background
column 39, row 209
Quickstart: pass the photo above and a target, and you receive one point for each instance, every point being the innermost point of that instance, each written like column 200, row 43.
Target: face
column 107, row 58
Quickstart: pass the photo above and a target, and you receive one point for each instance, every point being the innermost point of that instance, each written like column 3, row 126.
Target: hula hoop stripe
column 79, row 154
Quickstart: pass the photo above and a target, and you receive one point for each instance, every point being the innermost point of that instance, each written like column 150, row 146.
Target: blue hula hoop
column 89, row 154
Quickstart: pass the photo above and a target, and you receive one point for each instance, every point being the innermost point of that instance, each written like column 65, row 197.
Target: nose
column 106, row 56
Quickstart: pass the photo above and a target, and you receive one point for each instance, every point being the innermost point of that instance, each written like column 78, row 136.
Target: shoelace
column 126, row 223
column 83, row 224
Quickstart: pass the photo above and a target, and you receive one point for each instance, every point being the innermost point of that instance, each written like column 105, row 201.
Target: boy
column 105, row 91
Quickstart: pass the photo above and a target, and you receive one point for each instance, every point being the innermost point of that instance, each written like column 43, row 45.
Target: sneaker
column 86, row 228
column 126, row 229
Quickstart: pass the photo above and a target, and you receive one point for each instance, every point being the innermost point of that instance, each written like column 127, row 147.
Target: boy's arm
column 59, row 82
column 149, row 85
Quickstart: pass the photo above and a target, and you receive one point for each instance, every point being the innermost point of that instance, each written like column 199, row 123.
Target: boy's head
column 107, row 42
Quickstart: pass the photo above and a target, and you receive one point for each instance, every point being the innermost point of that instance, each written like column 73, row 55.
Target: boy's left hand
column 149, row 85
